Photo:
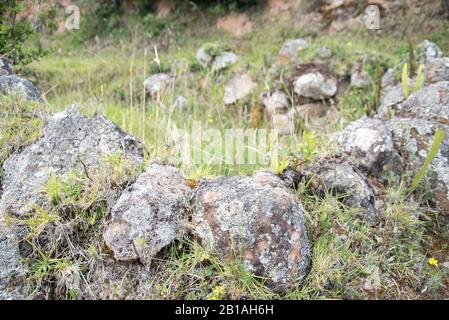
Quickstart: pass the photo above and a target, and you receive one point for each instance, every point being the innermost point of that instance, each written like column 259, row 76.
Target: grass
column 352, row 258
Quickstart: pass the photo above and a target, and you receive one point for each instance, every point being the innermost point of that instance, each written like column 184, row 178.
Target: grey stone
column 257, row 219
column 342, row 178
column 14, row 84
column 428, row 51
column 11, row 270
column 5, row 66
column 370, row 143
column 360, row 79
column 291, row 47
column 316, row 86
column 276, row 103
column 324, row 53
column 224, row 60
column 71, row 142
column 238, row 87
column 203, row 57
column 149, row 215
column 413, row 137
column 437, row 70
column 156, row 84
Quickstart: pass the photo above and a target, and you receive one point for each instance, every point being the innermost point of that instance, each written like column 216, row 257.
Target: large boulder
column 238, row 87
column 257, row 219
column 149, row 215
column 370, row 143
column 17, row 85
column 316, row 85
column 70, row 142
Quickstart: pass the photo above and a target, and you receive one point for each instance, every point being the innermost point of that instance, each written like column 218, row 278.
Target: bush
column 19, row 38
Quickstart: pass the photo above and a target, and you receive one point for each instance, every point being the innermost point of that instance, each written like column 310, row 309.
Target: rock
column 181, row 102
column 24, row 87
column 203, row 57
column 71, row 141
column 370, row 143
column 149, row 215
column 413, row 137
column 340, row 177
column 291, row 47
column 238, row 87
column 11, row 270
column 360, row 79
column 311, row 110
column 5, row 67
column 257, row 219
column 283, row 123
column 431, row 103
column 316, row 86
column 428, row 51
column 275, row 103
column 391, row 97
column 388, row 79
column 224, row 60
column 437, row 70
column 324, row 53
column 156, row 84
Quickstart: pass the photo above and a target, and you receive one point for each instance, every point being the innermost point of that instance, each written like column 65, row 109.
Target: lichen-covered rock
column 339, row 176
column 5, row 66
column 437, row 70
column 17, row 85
column 11, row 270
column 156, row 84
column 291, row 47
column 413, row 137
column 224, row 60
column 71, row 141
column 238, row 87
column 316, row 86
column 431, row 103
column 370, row 143
column 149, row 215
column 428, row 51
column 258, row 219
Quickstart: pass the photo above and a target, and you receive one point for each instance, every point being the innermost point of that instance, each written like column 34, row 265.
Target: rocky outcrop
column 12, row 84
column 149, row 215
column 257, row 219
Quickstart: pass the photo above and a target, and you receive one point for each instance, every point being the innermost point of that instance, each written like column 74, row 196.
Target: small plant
column 308, row 147
column 420, row 78
column 405, row 81
column 434, row 148
column 277, row 165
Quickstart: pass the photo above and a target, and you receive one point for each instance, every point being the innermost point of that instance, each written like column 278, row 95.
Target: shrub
column 19, row 38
